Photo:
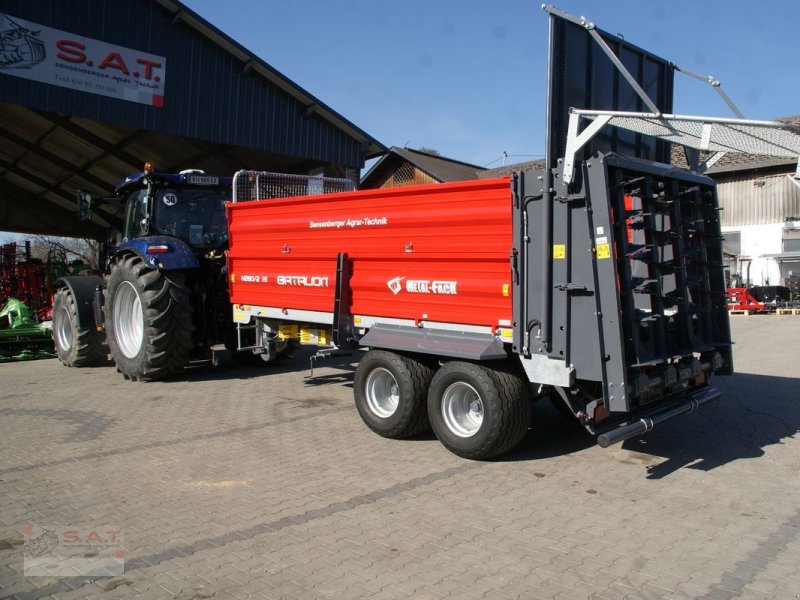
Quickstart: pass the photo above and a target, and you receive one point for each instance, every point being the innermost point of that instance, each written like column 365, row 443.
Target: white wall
column 758, row 240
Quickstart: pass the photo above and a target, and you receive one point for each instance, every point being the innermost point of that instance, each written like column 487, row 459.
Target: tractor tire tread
column 167, row 309
column 89, row 346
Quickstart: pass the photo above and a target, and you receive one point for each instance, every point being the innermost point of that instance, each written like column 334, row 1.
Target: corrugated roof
column 439, row 167
column 734, row 161
column 528, row 165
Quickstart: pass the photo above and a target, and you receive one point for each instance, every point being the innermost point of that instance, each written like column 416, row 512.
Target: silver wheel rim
column 128, row 320
column 462, row 409
column 63, row 329
column 382, row 392
column 262, row 355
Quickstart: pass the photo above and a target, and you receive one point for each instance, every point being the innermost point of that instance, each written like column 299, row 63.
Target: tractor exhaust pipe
column 647, row 423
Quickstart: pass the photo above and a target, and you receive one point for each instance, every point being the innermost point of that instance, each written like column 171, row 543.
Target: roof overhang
column 784, row 256
column 47, row 157
column 49, row 150
column 250, row 62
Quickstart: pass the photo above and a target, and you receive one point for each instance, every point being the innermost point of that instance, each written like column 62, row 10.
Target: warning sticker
column 559, row 251
column 603, row 251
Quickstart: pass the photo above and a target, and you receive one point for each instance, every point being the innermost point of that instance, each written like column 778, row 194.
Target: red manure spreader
column 475, row 298
column 596, row 281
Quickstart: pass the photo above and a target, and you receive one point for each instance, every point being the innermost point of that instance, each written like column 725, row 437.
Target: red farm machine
column 597, row 281
column 26, row 288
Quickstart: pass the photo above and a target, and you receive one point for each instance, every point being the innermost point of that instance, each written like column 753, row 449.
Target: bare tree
column 431, row 151
column 48, row 248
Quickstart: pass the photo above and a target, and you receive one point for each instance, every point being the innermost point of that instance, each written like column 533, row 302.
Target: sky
column 467, row 77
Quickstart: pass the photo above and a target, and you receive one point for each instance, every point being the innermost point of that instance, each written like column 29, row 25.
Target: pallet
column 777, row 311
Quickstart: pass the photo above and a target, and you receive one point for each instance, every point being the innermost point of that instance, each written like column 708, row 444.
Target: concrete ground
column 235, row 482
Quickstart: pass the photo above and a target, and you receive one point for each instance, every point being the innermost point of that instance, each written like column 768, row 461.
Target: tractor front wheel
column 76, row 346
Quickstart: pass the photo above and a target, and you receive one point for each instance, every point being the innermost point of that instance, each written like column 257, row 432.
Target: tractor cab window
column 135, row 215
column 196, row 216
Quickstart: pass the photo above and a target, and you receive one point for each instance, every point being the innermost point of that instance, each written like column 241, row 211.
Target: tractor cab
column 188, row 206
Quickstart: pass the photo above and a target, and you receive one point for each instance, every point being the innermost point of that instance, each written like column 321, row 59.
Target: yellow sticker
column 288, row 332
column 505, row 290
column 559, row 251
column 603, row 251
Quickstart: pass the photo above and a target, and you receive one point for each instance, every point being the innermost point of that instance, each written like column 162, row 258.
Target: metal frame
column 622, row 312
column 577, row 48
column 342, row 330
column 591, row 28
column 577, row 139
column 260, row 185
column 766, row 134
column 715, row 83
column 438, row 342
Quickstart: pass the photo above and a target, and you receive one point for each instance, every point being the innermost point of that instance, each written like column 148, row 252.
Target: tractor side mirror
column 84, row 206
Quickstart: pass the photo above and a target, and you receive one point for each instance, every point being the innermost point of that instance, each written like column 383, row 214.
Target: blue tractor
column 163, row 299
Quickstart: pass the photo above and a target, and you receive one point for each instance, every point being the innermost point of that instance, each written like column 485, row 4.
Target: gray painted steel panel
column 456, row 344
column 620, row 292
column 757, row 200
column 208, row 94
column 582, row 76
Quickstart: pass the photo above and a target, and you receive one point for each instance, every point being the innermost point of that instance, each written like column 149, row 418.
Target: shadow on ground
column 227, row 368
column 755, row 411
column 551, row 434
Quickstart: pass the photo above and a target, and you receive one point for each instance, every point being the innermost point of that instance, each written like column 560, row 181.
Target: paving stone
column 245, row 483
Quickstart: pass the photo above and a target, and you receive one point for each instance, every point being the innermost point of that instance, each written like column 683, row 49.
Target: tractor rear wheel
column 148, row 320
column 76, row 346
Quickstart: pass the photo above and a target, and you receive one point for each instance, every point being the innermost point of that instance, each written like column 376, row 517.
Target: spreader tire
column 477, row 411
column 390, row 391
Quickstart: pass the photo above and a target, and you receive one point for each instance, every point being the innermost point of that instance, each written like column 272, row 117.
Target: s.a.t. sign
column 40, row 53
